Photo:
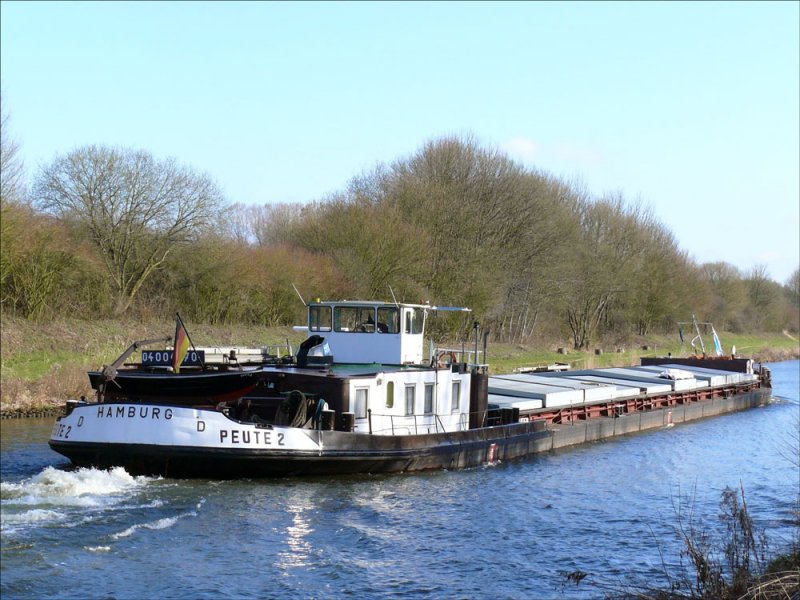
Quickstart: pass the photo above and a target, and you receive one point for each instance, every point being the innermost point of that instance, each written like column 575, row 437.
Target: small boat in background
column 183, row 374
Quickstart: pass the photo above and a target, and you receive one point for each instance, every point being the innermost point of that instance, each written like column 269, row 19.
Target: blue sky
column 692, row 108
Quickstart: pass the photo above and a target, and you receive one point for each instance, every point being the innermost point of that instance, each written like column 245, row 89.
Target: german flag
column 181, row 344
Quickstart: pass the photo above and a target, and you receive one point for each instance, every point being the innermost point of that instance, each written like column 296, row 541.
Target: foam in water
column 51, row 496
column 35, row 516
column 159, row 524
column 82, row 487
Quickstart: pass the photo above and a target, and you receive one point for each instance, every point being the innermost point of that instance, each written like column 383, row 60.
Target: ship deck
column 579, row 395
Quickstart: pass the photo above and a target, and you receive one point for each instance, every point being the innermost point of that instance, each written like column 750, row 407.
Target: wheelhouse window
column 413, row 320
column 358, row 319
column 428, row 398
column 319, row 318
column 410, row 397
column 362, row 398
column 456, row 396
column 388, row 320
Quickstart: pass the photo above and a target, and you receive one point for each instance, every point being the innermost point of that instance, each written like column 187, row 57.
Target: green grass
column 505, row 358
column 35, row 365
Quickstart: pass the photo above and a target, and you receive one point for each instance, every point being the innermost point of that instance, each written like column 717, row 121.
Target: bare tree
column 134, row 208
column 758, row 283
column 729, row 294
column 11, row 166
column 603, row 264
column 263, row 225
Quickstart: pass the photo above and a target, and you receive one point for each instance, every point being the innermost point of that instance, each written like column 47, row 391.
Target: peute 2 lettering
column 244, row 436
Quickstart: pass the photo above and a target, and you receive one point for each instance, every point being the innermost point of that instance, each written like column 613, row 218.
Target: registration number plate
column 163, row 358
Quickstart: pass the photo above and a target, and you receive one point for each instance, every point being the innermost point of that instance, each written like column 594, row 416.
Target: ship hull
column 183, row 442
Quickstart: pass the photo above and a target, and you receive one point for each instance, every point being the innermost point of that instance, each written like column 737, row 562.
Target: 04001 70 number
column 164, row 357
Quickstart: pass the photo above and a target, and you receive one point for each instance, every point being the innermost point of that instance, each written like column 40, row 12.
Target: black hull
column 184, row 388
column 384, row 457
column 347, row 453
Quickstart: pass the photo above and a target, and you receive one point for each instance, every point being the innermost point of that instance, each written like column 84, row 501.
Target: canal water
column 607, row 510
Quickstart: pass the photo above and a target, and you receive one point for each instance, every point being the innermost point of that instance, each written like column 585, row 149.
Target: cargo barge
column 360, row 396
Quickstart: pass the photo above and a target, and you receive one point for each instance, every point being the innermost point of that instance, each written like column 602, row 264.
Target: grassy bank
column 765, row 347
column 43, row 364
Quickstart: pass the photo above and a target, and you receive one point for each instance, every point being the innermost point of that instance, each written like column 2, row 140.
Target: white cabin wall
column 393, row 420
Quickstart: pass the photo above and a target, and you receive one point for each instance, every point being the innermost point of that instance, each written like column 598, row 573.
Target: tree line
column 103, row 231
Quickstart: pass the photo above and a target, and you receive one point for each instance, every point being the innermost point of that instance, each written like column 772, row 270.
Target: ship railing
column 473, row 358
column 411, row 424
column 433, row 422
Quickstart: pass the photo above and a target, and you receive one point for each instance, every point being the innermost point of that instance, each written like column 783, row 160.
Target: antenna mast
column 299, row 296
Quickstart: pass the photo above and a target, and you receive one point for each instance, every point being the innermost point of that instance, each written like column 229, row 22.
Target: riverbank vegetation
column 106, row 232
column 731, row 561
column 735, row 563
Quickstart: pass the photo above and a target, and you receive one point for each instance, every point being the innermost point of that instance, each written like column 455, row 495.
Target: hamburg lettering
column 131, row 412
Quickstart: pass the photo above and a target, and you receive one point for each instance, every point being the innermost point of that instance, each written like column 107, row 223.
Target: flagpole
column 175, row 363
column 202, row 362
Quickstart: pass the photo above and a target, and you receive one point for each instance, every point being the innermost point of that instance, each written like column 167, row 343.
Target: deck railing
column 416, row 423
column 473, row 359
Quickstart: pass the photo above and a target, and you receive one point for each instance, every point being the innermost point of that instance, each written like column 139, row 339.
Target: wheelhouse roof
column 382, row 303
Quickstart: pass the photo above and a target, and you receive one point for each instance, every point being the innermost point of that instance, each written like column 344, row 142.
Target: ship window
column 410, row 391
column 456, row 397
column 390, row 394
column 428, row 398
column 413, row 320
column 319, row 318
column 388, row 320
column 354, row 319
column 362, row 396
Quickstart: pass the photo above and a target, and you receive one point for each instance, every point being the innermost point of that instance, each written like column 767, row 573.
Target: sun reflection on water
column 300, row 547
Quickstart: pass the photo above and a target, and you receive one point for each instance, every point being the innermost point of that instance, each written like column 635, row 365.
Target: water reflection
column 298, row 533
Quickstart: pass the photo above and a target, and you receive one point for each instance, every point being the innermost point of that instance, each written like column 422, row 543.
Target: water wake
column 159, row 524
column 52, row 496
column 82, row 487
